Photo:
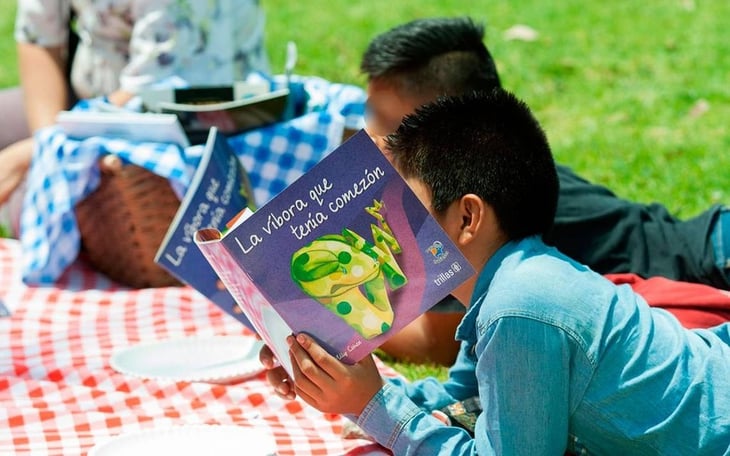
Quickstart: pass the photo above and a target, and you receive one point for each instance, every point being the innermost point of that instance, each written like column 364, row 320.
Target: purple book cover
column 219, row 190
column 347, row 254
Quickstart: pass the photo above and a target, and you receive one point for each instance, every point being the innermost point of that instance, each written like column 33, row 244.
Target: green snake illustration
column 348, row 275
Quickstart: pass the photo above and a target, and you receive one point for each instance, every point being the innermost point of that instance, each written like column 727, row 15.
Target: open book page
column 230, row 117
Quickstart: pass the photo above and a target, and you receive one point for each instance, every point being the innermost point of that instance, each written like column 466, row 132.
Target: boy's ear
column 476, row 218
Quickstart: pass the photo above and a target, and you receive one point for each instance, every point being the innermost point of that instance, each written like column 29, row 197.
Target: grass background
column 633, row 95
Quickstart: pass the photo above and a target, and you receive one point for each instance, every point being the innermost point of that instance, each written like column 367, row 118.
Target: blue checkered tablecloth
column 64, row 170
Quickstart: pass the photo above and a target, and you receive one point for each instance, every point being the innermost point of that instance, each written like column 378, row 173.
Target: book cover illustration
column 347, row 254
column 218, row 191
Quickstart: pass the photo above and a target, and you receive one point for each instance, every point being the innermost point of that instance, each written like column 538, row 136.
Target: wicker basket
column 123, row 222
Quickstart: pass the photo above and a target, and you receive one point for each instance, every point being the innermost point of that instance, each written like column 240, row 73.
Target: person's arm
column 523, row 370
column 427, row 393
column 382, row 409
column 43, row 78
column 41, row 31
column 44, row 95
column 42, row 35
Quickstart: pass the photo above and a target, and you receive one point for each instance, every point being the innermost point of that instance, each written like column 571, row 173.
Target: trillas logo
column 438, row 252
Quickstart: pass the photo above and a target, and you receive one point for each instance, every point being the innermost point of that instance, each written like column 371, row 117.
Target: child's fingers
column 308, row 378
column 308, row 398
column 279, row 379
column 266, row 357
column 346, row 392
column 326, row 362
column 310, row 382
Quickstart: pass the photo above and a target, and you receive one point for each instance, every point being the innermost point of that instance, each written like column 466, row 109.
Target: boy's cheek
column 379, row 141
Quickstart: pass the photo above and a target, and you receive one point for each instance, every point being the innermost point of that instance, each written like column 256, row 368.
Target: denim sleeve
column 430, row 394
column 395, row 422
column 524, row 373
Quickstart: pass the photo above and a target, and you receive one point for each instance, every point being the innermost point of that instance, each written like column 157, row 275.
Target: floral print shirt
column 131, row 44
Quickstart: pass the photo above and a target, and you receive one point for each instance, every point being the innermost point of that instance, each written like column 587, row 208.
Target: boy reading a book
column 559, row 358
column 415, row 62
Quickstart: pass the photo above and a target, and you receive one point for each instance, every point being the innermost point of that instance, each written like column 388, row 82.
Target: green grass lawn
column 631, row 94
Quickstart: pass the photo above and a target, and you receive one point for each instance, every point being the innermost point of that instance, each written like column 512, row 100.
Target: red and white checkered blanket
column 59, row 395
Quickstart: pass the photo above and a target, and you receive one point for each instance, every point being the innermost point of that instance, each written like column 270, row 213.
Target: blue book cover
column 347, row 253
column 218, row 191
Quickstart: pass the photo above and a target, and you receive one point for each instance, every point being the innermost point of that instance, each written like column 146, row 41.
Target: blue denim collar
column 466, row 329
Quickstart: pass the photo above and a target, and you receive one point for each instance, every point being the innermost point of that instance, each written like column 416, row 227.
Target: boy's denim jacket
column 563, row 360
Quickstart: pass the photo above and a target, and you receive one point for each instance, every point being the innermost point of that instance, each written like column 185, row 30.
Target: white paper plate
column 218, row 359
column 190, row 440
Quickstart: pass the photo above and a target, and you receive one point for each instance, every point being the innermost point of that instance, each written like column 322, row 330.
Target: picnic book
column 347, row 254
column 153, row 96
column 218, row 191
column 203, row 108
column 132, row 126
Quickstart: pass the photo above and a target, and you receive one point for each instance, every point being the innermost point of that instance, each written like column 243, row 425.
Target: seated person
column 558, row 358
column 122, row 50
column 416, row 62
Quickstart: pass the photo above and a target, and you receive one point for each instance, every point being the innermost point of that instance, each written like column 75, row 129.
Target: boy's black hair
column 485, row 143
column 441, row 56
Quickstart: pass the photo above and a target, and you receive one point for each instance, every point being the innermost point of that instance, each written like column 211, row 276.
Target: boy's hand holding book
column 328, row 384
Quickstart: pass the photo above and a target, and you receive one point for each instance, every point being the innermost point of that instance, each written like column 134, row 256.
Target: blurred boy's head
column 414, row 63
column 486, row 144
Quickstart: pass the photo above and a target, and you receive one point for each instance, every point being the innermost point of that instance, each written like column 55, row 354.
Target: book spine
column 225, row 266
column 246, row 294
